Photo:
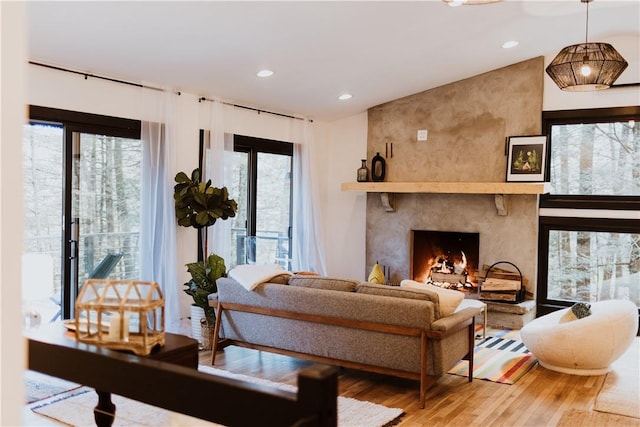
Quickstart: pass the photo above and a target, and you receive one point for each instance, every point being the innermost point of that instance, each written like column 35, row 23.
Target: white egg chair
column 585, row 346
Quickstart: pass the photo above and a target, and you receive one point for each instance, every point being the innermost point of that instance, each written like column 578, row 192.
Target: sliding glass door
column 261, row 183
column 82, row 192
column 42, row 260
column 105, row 207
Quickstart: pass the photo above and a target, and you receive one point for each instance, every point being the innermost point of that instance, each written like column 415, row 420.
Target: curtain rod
column 87, row 75
column 254, row 109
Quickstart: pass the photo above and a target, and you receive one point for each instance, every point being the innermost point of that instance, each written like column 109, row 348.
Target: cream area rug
column 75, row 408
column 39, row 386
column 620, row 393
column 578, row 418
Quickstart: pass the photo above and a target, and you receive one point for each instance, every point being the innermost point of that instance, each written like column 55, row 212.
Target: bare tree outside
column 273, row 200
column 595, row 159
column 106, row 199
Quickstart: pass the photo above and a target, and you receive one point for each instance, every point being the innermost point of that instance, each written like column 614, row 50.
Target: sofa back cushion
column 397, row 292
column 322, row 282
column 282, row 279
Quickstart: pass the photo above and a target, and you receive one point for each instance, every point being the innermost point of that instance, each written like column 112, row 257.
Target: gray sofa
column 377, row 328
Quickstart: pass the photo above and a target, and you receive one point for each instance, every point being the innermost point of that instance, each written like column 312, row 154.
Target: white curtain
column 158, row 225
column 215, row 159
column 308, row 253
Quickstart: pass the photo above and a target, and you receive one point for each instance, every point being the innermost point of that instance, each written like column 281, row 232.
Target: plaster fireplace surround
column 468, row 122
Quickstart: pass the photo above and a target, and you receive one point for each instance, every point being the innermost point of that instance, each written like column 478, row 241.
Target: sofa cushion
column 449, row 299
column 281, row 279
column 322, row 282
column 397, row 292
column 394, row 291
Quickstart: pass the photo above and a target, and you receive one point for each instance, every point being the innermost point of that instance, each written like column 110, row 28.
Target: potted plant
column 202, row 284
column 199, row 205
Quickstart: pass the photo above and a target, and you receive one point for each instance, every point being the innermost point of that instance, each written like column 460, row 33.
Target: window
column 82, row 177
column 589, row 225
column 261, row 174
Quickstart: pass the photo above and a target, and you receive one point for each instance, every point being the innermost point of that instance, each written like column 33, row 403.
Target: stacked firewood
column 501, row 285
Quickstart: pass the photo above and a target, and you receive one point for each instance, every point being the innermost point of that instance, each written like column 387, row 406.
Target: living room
column 352, row 221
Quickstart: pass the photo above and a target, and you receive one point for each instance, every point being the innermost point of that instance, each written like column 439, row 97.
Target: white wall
column 13, row 114
column 346, row 211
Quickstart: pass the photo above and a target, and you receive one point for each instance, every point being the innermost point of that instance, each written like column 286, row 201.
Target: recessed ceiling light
column 345, row 96
column 509, row 44
column 265, row 73
column 454, row 3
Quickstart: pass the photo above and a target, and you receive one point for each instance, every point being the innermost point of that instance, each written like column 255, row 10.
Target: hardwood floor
column 540, row 398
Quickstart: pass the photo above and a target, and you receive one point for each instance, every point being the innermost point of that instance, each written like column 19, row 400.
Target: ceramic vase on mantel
column 363, row 172
column 378, row 168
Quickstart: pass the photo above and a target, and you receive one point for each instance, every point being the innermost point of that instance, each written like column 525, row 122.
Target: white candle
column 118, row 327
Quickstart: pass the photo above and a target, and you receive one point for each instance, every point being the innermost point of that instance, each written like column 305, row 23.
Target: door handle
column 73, row 249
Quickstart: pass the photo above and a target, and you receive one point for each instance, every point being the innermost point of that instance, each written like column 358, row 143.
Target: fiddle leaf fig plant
column 203, row 283
column 199, row 204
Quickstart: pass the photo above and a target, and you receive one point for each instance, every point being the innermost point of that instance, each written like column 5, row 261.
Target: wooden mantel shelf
column 499, row 189
column 450, row 187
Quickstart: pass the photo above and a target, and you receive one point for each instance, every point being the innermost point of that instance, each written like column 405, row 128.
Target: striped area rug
column 501, row 357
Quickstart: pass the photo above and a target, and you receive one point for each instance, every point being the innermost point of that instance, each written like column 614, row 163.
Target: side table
column 469, row 302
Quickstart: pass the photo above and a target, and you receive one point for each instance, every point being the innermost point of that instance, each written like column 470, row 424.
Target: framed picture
column 526, row 156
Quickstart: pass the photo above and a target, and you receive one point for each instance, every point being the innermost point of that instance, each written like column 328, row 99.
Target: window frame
column 574, row 208
column 77, row 122
column 252, row 146
column 593, row 115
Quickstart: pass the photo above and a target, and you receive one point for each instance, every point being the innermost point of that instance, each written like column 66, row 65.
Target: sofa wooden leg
column 216, row 334
column 423, row 368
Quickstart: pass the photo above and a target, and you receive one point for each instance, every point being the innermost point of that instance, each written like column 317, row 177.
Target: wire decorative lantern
column 121, row 315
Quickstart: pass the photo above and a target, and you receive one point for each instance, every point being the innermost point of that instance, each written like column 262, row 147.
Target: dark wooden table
column 177, row 350
column 167, row 379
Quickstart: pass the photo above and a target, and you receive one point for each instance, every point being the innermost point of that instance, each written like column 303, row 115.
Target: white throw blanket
column 251, row 276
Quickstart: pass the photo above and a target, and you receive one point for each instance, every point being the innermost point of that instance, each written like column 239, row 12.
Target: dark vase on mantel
column 378, row 168
column 363, row 172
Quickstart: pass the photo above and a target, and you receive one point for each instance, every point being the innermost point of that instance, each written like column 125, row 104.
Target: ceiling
column 378, row 51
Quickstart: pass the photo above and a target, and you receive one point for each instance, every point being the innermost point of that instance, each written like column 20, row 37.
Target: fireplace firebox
column 448, row 259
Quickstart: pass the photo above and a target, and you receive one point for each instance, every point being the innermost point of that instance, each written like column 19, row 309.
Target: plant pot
column 197, row 314
column 200, row 330
column 207, row 337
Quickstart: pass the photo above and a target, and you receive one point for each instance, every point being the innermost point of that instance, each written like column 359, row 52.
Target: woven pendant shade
column 605, row 62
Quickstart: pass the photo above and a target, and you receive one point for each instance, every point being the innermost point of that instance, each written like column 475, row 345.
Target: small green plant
column 203, row 282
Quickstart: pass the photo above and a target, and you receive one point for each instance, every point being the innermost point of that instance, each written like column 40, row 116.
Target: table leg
column 105, row 411
column 484, row 327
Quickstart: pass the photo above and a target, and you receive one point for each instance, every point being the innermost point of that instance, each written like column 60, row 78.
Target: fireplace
column 448, row 259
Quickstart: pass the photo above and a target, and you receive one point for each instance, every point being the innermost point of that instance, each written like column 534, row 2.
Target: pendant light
column 586, row 66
